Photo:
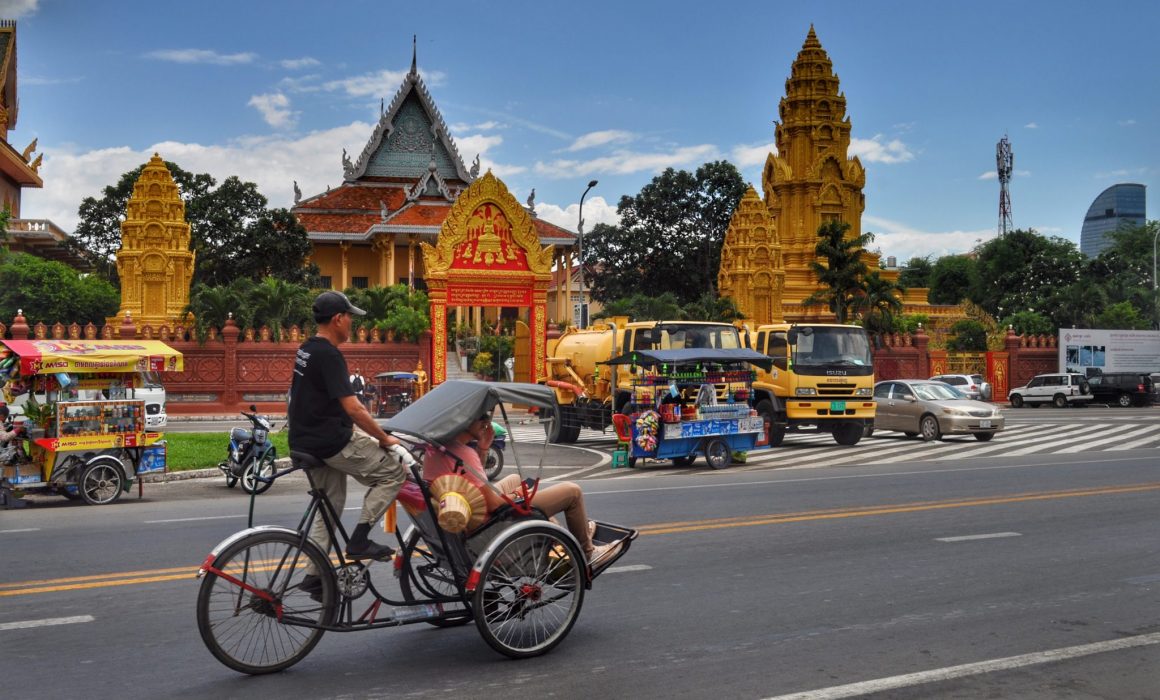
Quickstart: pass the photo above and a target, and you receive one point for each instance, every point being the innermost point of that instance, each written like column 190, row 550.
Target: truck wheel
column 101, row 482
column 718, row 454
column 565, row 428
column 848, row 433
column 776, row 430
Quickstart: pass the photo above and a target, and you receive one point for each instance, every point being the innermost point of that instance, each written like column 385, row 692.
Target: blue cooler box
column 153, row 458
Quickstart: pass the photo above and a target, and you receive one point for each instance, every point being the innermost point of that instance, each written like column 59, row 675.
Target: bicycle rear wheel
column 253, row 614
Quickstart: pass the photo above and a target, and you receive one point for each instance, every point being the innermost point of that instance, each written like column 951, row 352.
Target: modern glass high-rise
column 1119, row 204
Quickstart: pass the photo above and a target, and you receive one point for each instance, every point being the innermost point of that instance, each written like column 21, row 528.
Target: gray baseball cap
column 328, row 304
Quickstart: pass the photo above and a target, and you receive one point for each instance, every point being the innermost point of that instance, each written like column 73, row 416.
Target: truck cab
column 822, row 379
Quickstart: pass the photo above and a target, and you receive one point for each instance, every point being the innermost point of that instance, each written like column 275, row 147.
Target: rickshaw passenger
column 564, row 497
column 328, row 421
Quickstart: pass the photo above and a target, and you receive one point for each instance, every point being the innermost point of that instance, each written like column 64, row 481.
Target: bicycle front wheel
column 252, row 611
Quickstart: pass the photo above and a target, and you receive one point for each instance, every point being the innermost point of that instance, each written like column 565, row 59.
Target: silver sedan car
column 932, row 410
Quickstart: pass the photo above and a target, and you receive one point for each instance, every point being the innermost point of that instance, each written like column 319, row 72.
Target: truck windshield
column 674, row 336
column 832, row 350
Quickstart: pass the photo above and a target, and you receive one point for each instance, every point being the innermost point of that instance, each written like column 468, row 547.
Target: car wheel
column 911, row 435
column 984, row 437
column 1016, row 401
column 930, row 429
column 1059, row 401
column 1124, row 400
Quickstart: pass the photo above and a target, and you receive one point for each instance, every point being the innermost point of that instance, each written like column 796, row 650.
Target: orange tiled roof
column 337, row 223
column 354, row 197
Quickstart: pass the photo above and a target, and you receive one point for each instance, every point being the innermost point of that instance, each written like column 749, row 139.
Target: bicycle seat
column 305, row 460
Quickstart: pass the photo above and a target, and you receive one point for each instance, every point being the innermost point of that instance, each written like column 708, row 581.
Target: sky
column 552, row 95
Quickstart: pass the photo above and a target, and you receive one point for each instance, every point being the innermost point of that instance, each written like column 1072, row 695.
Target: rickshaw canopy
column 451, row 407
column 86, row 356
column 397, row 375
column 685, row 356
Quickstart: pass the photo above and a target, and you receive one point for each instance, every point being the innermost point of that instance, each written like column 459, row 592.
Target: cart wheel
column 425, row 576
column 262, row 467
column 718, row 453
column 494, row 463
column 250, row 632
column 530, row 591
column 101, row 482
column 686, row 461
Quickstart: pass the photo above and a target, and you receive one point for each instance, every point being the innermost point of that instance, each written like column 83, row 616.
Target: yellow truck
column 589, row 392
column 822, row 379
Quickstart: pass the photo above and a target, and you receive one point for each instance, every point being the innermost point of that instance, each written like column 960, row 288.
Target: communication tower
column 1004, row 161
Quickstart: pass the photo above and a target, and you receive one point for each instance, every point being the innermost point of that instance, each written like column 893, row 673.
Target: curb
column 187, row 474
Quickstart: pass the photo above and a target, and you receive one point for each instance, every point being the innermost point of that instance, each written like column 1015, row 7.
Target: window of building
column 326, row 282
column 359, row 282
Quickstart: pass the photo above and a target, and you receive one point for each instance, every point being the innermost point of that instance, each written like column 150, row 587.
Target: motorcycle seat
column 305, row 460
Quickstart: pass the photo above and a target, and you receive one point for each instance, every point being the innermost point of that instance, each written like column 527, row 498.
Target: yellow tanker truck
column 822, row 379
column 589, row 392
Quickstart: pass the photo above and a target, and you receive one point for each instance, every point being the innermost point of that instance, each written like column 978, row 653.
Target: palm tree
column 210, row 307
column 843, row 271
column 274, row 301
column 879, row 303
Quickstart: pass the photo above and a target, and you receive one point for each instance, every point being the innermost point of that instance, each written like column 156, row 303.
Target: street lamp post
column 1155, row 302
column 580, row 250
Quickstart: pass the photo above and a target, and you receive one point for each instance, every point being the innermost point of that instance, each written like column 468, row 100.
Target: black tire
column 564, row 428
column 718, row 454
column 530, row 591
column 1124, row 401
column 911, row 435
column 776, row 431
column 1084, row 387
column 240, row 628
column 686, row 461
column 868, row 429
column 1059, row 401
column 984, row 437
column 423, row 574
column 101, row 482
column 263, row 466
column 1016, row 401
column 930, row 428
column 494, row 465
column 848, row 433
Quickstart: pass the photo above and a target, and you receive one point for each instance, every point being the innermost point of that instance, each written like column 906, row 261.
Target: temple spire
column 812, row 40
column 414, row 54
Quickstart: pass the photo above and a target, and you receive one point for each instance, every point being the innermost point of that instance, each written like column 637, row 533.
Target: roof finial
column 414, row 54
column 812, row 39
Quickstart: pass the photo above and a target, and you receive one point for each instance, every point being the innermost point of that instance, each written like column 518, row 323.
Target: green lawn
column 202, row 450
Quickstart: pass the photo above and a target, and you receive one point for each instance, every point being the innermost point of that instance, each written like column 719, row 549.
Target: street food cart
column 85, row 430
column 692, row 401
column 393, row 391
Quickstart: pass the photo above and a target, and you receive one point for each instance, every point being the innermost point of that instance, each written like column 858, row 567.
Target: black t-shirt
column 319, row 424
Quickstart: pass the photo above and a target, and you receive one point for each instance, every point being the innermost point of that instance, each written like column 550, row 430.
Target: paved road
column 743, row 584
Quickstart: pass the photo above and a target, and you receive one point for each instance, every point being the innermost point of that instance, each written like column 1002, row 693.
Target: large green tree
column 1023, row 271
column 953, row 278
column 233, row 231
column 842, row 272
column 49, row 291
column 669, row 237
column 916, row 273
column 1123, row 271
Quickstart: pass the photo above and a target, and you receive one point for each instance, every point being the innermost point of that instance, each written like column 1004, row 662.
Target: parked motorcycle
column 250, row 454
column 494, row 464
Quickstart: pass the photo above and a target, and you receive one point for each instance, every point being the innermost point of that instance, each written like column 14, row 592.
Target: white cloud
column 876, row 151
column 1127, row 122
column 596, row 211
column 202, row 56
column 626, row 162
column 298, row 63
column 26, row 80
column 600, row 138
column 1030, row 125
column 1122, row 173
column 994, row 175
column 490, row 125
column 748, row 156
column 381, row 83
column 479, row 144
column 273, row 162
column 275, row 109
column 15, row 9
column 903, row 242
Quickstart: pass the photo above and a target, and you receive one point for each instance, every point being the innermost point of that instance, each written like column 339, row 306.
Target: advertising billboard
column 1098, row 351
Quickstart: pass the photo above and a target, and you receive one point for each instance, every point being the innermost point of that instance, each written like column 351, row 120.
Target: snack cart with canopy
column 86, row 431
column 692, row 401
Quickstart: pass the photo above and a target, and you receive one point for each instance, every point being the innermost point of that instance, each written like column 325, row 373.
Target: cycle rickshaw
column 519, row 576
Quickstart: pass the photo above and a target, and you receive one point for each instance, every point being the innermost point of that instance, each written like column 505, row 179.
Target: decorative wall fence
column 235, row 367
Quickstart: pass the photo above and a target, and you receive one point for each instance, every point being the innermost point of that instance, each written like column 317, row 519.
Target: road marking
column 49, row 622
column 1143, row 580
column 968, row 538
column 26, row 529
column 976, row 669
column 190, row 520
column 627, row 568
column 1034, row 445
column 1087, row 444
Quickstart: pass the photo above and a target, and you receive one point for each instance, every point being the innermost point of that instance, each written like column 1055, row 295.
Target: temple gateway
column 811, row 179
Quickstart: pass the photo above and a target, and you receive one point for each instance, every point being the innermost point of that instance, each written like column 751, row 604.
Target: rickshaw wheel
column 241, row 628
column 419, row 562
column 101, row 482
column 494, row 465
column 530, row 591
column 718, row 454
column 262, row 467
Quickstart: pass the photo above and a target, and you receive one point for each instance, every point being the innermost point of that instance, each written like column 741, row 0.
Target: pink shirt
column 437, row 464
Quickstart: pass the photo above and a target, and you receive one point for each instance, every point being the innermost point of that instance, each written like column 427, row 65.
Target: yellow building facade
column 810, row 180
column 154, row 263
